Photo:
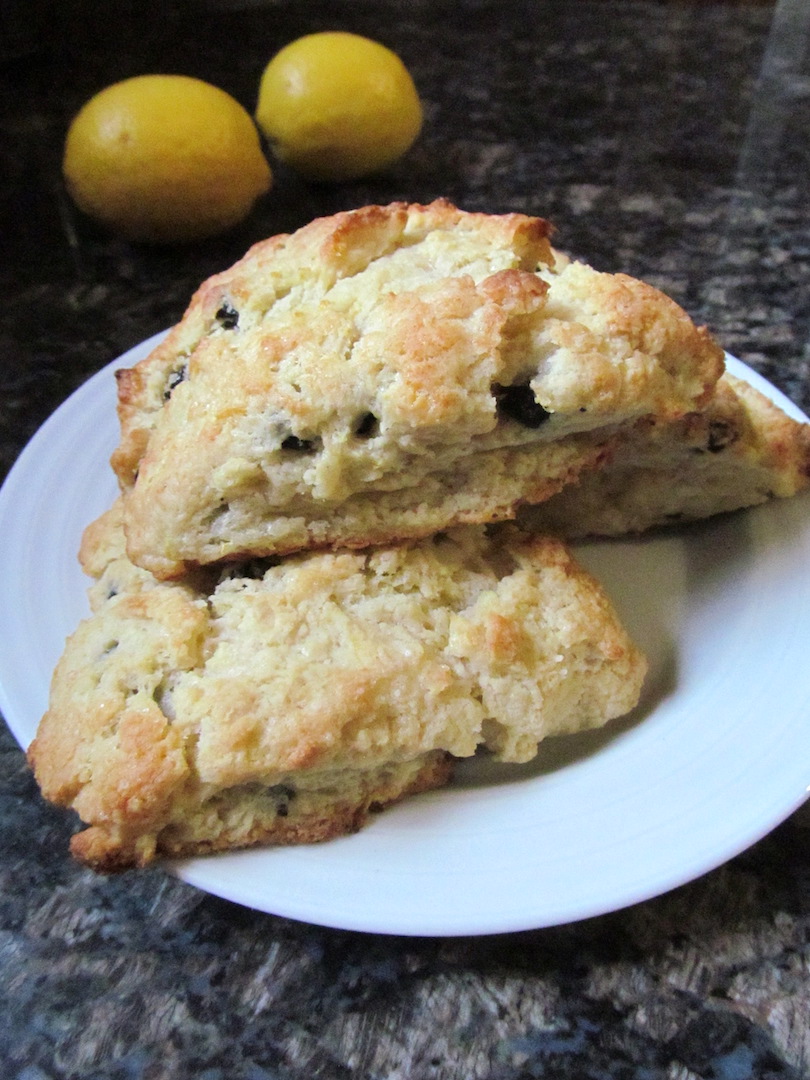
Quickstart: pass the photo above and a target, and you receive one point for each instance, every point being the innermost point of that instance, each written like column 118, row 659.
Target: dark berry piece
column 174, row 379
column 283, row 795
column 292, row 442
column 721, row 435
column 366, row 426
column 227, row 317
column 518, row 403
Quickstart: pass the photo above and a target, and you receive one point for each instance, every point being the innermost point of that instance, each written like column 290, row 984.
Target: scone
column 281, row 701
column 386, row 373
column 741, row 450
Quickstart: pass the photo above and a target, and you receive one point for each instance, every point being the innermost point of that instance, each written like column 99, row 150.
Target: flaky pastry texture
column 283, row 701
column 386, row 373
column 740, row 451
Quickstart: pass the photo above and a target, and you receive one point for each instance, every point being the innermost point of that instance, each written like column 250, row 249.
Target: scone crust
column 309, row 263
column 383, row 373
column 282, row 702
column 739, row 451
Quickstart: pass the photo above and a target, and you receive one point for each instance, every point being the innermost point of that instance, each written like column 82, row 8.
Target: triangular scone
column 741, row 450
column 385, row 373
column 282, row 701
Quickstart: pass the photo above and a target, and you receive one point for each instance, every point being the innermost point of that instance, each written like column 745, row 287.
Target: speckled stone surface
column 668, row 140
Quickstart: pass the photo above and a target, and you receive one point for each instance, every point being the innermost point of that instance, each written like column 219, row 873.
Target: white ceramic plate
column 716, row 755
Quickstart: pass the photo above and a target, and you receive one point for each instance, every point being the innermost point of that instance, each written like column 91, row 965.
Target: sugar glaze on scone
column 740, row 451
column 385, row 373
column 281, row 701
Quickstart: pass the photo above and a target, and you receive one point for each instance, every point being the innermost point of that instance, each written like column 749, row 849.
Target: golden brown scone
column 382, row 374
column 281, row 701
column 741, row 450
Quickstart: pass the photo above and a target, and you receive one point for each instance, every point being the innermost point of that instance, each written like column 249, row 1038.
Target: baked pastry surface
column 741, row 450
column 281, row 701
column 383, row 374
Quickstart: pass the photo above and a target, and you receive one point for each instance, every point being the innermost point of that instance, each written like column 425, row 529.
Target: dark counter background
column 671, row 141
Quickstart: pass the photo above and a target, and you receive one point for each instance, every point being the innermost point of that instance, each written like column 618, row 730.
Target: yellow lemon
column 337, row 106
column 165, row 158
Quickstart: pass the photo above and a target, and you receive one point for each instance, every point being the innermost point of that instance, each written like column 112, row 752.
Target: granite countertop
column 669, row 140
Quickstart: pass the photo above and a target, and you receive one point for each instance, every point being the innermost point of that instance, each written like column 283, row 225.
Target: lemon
column 164, row 158
column 336, row 106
